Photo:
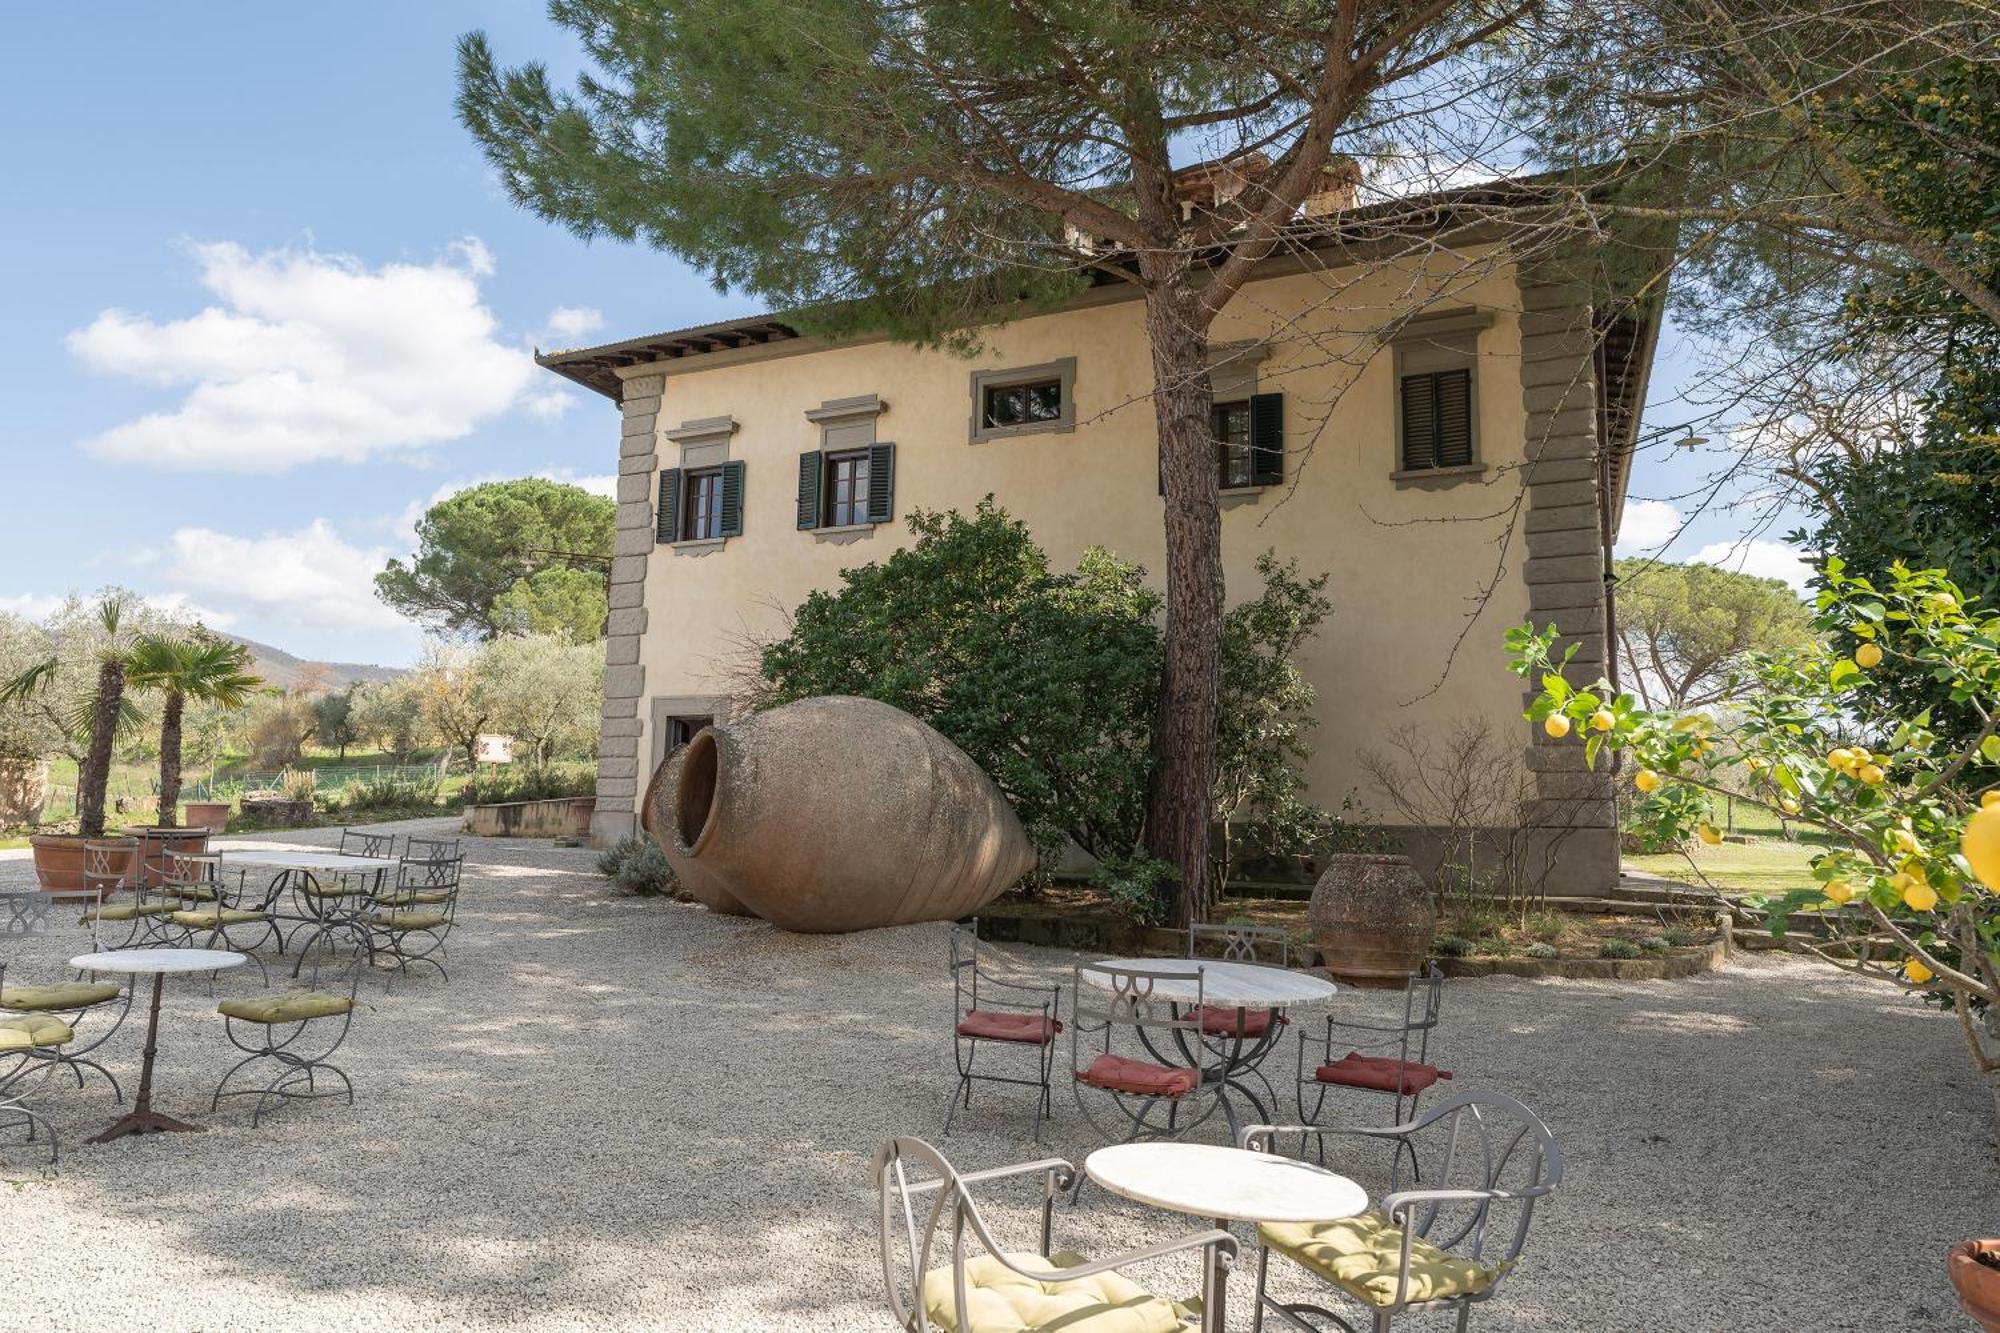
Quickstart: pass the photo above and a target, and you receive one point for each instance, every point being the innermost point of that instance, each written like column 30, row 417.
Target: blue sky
column 244, row 236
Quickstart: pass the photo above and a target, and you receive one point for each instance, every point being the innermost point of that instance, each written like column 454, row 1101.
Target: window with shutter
column 667, row 517
column 1437, row 420
column 701, row 505
column 881, row 483
column 844, row 495
column 1267, row 439
column 730, row 523
column 809, row 466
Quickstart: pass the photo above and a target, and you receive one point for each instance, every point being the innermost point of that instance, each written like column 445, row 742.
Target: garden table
column 1226, row 1185
column 300, row 869
column 142, row 1118
column 1248, row 988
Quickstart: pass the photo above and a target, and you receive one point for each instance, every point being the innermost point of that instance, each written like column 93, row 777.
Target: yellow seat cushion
column 337, row 888
column 191, row 893
column 33, row 1030
column 128, row 911
column 58, row 996
column 414, row 898
column 293, row 1006
column 408, row 920
column 999, row 1300
column 1363, row 1255
column 204, row 918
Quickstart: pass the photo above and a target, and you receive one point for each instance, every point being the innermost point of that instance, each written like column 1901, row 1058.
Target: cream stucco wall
column 1408, row 564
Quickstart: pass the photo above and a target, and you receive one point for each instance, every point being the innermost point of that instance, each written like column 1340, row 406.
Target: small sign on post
column 492, row 749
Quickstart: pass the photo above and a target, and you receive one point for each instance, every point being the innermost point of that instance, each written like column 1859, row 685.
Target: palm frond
column 31, row 681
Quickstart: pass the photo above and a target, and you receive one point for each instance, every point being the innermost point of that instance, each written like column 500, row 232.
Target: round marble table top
column 1244, row 985
column 276, row 858
column 158, row 960
column 1230, row 1184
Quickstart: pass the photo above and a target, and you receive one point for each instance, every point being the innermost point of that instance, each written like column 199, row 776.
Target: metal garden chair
column 928, row 1216
column 1391, row 1057
column 429, row 849
column 290, row 1036
column 68, row 1002
column 26, row 1044
column 409, row 922
column 1141, row 1052
column 359, row 842
column 143, row 915
column 1012, row 1015
column 239, row 917
column 1445, row 1247
column 1240, row 942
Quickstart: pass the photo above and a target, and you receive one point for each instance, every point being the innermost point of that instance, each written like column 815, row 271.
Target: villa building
column 1445, row 430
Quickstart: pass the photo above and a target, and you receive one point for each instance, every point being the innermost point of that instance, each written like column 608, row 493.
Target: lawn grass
column 1765, row 866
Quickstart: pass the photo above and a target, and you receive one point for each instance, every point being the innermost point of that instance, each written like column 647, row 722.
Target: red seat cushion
column 1116, row 1073
column 998, row 1025
column 1380, row 1072
column 1217, row 1021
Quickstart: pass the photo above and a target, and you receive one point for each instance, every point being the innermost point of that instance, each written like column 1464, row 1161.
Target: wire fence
column 331, row 778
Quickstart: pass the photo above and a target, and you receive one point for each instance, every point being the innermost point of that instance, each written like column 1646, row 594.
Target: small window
column 681, row 730
column 701, row 508
column 1230, row 424
column 846, row 488
column 1030, row 404
column 1437, row 420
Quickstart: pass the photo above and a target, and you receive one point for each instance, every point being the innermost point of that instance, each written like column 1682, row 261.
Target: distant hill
column 282, row 669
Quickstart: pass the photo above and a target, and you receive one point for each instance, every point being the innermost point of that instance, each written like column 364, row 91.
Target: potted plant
column 60, row 858
column 199, row 667
column 1975, row 1274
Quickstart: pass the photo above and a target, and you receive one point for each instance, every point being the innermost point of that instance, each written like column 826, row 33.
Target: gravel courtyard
column 628, row 1114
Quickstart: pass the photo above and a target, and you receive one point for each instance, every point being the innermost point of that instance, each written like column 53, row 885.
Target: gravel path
column 626, row 1114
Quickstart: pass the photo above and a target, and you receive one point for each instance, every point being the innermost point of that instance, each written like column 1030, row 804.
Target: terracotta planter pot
column 656, row 817
column 838, row 814
column 1372, row 918
column 60, row 859
column 211, row 815
column 1978, row 1286
column 157, row 844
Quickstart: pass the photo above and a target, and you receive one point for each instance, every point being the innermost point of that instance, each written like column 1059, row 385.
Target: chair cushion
column 408, row 920
column 333, row 888
column 1380, row 1072
column 1118, row 1073
column 292, row 1006
column 414, row 898
column 999, row 1025
column 1217, row 1021
column 204, row 918
column 1362, row 1255
column 127, row 911
column 999, row 1300
column 17, row 1034
column 190, row 893
column 58, row 996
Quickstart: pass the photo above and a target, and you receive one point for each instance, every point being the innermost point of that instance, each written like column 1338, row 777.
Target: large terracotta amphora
column 1372, row 918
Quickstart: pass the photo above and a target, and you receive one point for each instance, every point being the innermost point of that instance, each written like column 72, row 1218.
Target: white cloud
column 308, row 357
column 29, row 606
column 1646, row 526
column 311, row 579
column 549, row 404
column 1766, row 559
column 572, row 322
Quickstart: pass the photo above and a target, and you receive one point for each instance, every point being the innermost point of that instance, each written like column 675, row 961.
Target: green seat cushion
column 408, row 920
column 205, row 918
column 17, row 1034
column 292, row 1006
column 191, row 893
column 999, row 1300
column 332, row 889
column 59, row 996
column 414, row 898
column 1363, row 1256
column 128, row 911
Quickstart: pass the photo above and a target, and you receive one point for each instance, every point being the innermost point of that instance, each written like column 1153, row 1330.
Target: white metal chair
column 1448, row 1246
column 1138, row 1052
column 929, row 1221
column 29, row 1046
column 1012, row 1017
column 1390, row 1058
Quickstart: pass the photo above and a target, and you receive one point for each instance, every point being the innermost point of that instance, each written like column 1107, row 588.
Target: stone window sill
column 1438, row 476
column 696, row 546
column 985, row 434
column 844, row 530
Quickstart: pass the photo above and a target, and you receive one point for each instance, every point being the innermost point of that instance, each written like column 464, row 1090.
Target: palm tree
column 197, row 666
column 99, row 713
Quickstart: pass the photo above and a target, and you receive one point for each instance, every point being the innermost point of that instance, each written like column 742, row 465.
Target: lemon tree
column 1908, row 887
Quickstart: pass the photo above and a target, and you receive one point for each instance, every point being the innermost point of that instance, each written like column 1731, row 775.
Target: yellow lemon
column 1990, row 799
column 1602, row 720
column 1981, row 844
column 1871, row 774
column 1906, row 841
column 1647, row 780
column 1838, row 890
column 1710, row 834
column 1916, row 973
column 1918, row 896
column 1868, row 655
column 1557, row 725
column 1789, row 806
column 1842, row 759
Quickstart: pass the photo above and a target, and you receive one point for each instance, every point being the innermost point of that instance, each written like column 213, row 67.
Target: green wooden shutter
column 1419, row 423
column 668, row 515
column 810, row 466
column 1267, row 439
column 1454, row 417
column 732, row 499
column 881, row 482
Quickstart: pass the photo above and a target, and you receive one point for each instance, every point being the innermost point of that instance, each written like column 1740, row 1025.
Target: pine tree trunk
column 1183, row 780
column 170, row 759
column 95, row 775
